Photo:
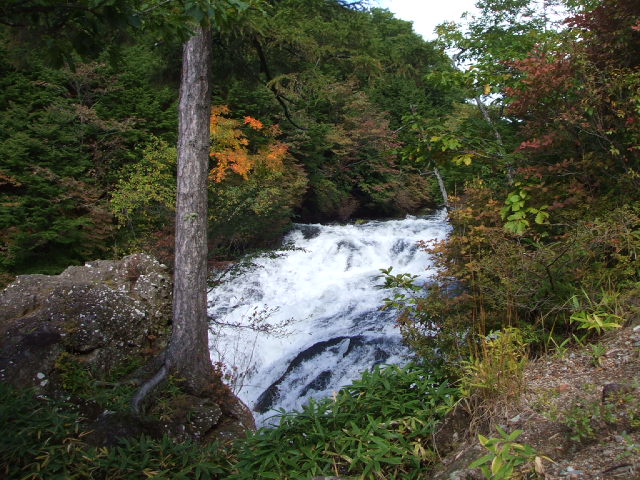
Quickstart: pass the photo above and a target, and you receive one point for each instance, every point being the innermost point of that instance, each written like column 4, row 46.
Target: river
column 313, row 309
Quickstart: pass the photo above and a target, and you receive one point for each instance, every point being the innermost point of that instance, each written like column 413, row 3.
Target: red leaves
column 544, row 141
column 546, row 77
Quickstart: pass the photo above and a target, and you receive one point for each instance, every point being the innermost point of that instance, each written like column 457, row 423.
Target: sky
column 426, row 14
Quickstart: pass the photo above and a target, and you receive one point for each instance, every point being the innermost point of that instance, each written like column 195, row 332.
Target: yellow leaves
column 230, row 147
column 465, row 159
column 487, row 89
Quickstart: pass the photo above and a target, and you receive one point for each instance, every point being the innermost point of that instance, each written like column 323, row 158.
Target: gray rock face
column 101, row 313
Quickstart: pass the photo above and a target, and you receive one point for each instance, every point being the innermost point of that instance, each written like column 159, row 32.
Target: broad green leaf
column 541, row 217
column 481, row 461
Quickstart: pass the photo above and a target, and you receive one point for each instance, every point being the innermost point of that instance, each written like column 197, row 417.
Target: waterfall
column 319, row 298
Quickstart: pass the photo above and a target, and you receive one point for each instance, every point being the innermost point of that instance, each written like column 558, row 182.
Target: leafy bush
column 506, row 457
column 378, row 427
column 43, row 439
column 587, row 418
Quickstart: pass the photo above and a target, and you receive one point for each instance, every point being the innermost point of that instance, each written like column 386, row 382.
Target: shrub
column 496, row 371
column 378, row 427
column 43, row 439
column 506, row 457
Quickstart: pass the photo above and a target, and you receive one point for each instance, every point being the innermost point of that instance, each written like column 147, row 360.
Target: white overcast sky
column 426, row 14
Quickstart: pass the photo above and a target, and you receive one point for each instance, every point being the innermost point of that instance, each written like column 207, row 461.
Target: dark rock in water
column 399, row 246
column 101, row 316
column 319, row 383
column 309, row 231
column 270, row 395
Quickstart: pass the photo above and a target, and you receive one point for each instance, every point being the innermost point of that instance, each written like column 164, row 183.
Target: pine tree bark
column 187, row 354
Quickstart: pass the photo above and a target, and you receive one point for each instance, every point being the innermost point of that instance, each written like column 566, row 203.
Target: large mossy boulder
column 102, row 313
column 74, row 335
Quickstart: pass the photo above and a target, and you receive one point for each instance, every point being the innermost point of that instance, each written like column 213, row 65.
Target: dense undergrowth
column 379, row 427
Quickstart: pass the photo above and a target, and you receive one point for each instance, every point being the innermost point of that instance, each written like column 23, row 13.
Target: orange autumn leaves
column 230, row 146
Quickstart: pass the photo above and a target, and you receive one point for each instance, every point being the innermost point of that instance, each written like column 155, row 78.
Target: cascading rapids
column 321, row 300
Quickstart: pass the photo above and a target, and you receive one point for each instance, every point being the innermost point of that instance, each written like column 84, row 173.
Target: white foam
column 327, row 287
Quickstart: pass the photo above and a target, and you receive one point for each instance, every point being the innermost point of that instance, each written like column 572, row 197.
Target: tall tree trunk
column 443, row 189
column 188, row 352
column 496, row 133
column 187, row 355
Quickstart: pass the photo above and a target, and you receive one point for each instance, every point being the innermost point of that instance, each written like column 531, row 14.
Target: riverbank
column 579, row 411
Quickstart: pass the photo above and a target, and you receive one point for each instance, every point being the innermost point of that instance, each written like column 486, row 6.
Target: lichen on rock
column 69, row 334
column 93, row 312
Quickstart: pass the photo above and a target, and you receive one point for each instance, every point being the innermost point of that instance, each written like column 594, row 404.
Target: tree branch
column 264, row 67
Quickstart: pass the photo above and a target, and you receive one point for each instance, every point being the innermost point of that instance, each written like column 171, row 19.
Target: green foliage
column 631, row 448
column 65, row 135
column 502, row 31
column 515, row 212
column 109, row 391
column 597, row 351
column 44, row 439
column 586, row 418
column 496, row 371
column 404, row 288
column 506, row 459
column 51, row 211
column 163, row 459
column 599, row 318
column 41, row 437
column 145, row 195
column 257, row 211
column 380, row 425
column 580, row 417
column 80, row 26
column 255, row 183
column 353, row 76
column 71, row 135
column 488, row 279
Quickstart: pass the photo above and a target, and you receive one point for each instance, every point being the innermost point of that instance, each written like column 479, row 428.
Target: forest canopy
column 330, row 83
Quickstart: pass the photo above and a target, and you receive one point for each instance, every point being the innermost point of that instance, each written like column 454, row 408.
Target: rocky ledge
column 99, row 317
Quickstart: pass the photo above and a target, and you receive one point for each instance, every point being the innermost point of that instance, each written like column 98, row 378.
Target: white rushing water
column 322, row 297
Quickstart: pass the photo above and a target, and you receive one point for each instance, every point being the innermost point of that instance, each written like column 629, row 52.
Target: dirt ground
column 580, row 408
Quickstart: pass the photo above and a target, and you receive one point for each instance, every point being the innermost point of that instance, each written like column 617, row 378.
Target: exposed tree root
column 159, row 365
